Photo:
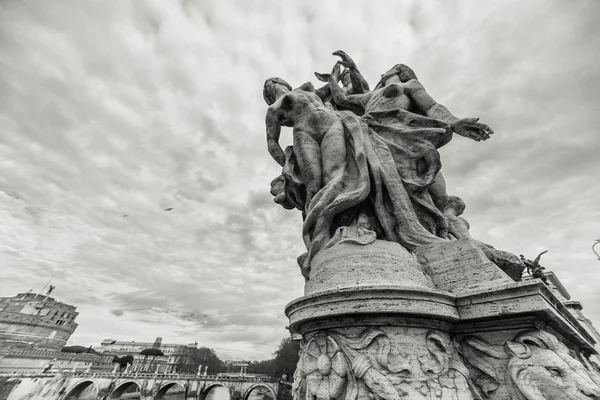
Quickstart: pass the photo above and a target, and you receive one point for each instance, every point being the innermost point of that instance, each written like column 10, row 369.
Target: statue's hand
column 470, row 128
column 323, row 77
column 346, row 61
column 335, row 74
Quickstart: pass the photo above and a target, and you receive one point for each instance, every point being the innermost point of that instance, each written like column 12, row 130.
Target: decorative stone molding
column 535, row 365
column 391, row 363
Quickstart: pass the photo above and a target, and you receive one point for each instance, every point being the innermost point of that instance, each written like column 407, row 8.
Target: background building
column 34, row 328
column 168, row 362
column 31, row 320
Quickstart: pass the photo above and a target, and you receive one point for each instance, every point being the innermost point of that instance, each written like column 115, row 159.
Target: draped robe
column 388, row 155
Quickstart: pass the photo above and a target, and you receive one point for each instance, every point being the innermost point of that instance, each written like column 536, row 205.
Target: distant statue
column 534, row 269
column 594, row 250
column 50, row 289
column 375, row 168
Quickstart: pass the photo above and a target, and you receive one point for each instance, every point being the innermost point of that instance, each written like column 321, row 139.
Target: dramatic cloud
column 111, row 113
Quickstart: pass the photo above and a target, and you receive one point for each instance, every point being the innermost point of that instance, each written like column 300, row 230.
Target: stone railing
column 145, row 375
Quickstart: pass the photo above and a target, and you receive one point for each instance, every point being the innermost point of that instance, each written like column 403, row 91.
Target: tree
column 188, row 359
column 265, row 367
column 123, row 361
column 286, row 358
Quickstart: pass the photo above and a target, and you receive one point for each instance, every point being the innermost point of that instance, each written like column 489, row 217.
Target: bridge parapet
column 153, row 376
column 59, row 385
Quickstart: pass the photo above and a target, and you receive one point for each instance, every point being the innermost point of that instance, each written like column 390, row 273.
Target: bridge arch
column 165, row 388
column 125, row 387
column 260, row 385
column 204, row 392
column 83, row 390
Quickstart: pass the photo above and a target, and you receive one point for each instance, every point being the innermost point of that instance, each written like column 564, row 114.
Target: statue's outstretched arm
column 427, row 104
column 273, row 123
column 467, row 127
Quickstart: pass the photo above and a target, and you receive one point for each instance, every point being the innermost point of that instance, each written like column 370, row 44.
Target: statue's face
column 547, row 375
column 274, row 88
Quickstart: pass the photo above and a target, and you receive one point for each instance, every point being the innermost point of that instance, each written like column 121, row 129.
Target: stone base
column 460, row 265
column 380, row 263
column 375, row 327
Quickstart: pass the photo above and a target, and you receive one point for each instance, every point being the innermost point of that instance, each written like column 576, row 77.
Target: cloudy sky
column 130, row 107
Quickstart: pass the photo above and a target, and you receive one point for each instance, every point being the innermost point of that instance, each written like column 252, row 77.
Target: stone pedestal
column 444, row 323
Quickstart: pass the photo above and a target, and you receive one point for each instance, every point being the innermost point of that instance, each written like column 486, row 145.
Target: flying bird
column 168, row 209
column 125, row 215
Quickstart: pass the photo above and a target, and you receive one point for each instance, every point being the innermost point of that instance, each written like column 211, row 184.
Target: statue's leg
column 437, row 191
column 308, row 157
column 333, row 151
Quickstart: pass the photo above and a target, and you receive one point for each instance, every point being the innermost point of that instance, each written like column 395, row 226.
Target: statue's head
column 455, row 203
column 403, row 72
column 274, row 88
column 541, row 368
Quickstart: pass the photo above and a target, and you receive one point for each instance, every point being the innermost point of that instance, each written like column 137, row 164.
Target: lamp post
column 594, row 245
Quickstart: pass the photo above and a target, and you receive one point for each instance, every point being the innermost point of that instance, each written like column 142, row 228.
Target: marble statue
column 536, row 365
column 400, row 301
column 378, row 171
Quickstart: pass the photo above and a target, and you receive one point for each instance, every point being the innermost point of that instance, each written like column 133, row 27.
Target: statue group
column 364, row 164
column 400, row 301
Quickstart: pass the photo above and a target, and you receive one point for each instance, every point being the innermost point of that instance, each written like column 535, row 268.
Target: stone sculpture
column 400, row 302
column 379, row 171
column 536, row 364
column 534, row 269
column 372, row 364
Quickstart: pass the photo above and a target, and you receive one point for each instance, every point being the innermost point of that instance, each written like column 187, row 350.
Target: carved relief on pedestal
column 343, row 365
column 533, row 366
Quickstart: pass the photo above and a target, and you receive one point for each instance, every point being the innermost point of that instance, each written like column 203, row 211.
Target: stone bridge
column 104, row 386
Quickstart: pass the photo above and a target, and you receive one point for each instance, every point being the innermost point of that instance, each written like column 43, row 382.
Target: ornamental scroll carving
column 336, row 365
column 533, row 366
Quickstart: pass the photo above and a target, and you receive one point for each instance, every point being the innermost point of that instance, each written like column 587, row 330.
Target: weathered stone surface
column 381, row 362
column 460, row 265
column 534, row 365
column 349, row 265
